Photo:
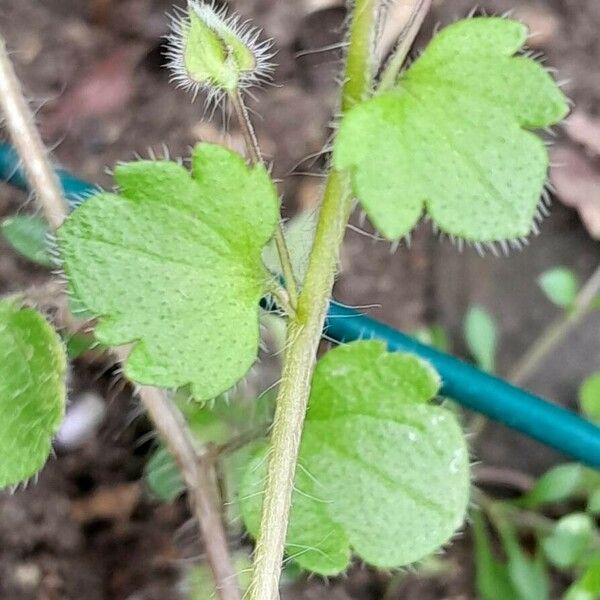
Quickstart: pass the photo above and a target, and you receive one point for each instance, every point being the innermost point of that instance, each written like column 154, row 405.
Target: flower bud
column 213, row 51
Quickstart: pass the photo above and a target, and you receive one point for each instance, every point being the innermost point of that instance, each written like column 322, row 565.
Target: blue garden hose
column 539, row 419
column 11, row 172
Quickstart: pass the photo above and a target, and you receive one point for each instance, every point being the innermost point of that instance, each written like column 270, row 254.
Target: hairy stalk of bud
column 215, row 52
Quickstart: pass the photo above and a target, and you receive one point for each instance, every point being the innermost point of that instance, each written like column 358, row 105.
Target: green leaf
column 173, row 265
column 32, row 391
column 587, row 587
column 200, row 584
column 481, row 337
column 569, row 541
column 593, row 504
column 28, row 235
column 589, row 397
column 216, row 424
column 491, row 576
column 560, row 286
column 453, row 137
column 381, row 471
column 529, row 576
column 435, row 336
column 162, row 476
column 78, row 344
column 299, row 236
column 556, row 485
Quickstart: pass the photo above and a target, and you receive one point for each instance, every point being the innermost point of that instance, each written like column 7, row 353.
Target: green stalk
column 253, row 149
column 407, row 37
column 304, row 331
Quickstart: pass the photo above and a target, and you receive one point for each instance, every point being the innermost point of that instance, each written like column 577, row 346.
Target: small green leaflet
column 32, row 391
column 381, row 471
column 199, row 583
column 28, row 235
column 491, row 576
column 589, row 397
column 162, row 476
column 588, row 585
column 570, row 541
column 528, row 574
column 560, row 286
column 299, row 236
column 481, row 335
column 173, row 265
column 556, row 485
column 453, row 137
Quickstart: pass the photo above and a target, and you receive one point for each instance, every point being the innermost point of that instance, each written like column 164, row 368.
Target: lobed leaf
column 381, row 471
column 32, row 391
column 173, row 265
column 453, row 137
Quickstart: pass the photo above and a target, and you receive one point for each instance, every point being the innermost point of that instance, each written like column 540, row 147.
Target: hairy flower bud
column 213, row 51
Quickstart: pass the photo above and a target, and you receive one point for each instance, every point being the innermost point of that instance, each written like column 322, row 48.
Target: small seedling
column 175, row 263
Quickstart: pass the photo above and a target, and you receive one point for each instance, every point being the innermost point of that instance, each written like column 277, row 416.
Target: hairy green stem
column 254, row 153
column 360, row 62
column 305, row 330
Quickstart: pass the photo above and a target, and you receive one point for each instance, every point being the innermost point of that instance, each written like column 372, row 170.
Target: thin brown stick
column 199, row 478
column 165, row 415
column 503, row 477
column 27, row 140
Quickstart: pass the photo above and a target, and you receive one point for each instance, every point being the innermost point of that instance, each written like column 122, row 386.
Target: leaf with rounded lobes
column 381, row 471
column 32, row 391
column 453, row 137
column 173, row 265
